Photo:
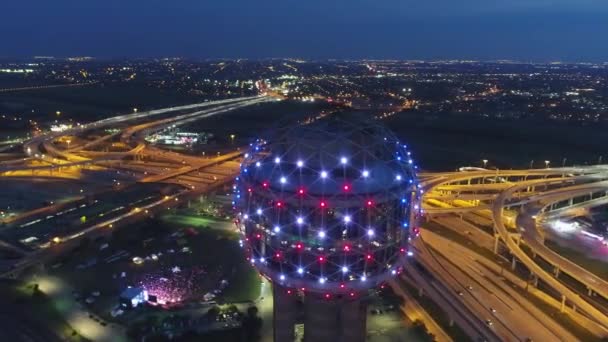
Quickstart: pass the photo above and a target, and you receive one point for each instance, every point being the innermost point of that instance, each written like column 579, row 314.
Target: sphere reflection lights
column 332, row 204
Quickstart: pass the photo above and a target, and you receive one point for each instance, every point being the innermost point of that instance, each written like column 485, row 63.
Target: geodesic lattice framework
column 329, row 206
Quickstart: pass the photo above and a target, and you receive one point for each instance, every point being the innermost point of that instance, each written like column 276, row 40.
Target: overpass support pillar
column 556, row 271
column 535, row 280
column 420, row 291
column 589, row 292
column 513, row 263
column 496, row 240
column 570, row 202
column 562, row 307
column 451, row 322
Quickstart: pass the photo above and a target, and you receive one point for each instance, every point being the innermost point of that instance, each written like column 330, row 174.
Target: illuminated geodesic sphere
column 329, row 206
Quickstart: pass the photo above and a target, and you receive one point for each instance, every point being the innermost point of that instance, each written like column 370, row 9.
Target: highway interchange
column 476, row 278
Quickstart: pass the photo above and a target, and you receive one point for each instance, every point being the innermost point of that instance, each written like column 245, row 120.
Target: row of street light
column 547, row 162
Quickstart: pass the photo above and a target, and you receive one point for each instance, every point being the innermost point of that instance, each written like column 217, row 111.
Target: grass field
column 42, row 316
column 597, row 267
column 205, row 255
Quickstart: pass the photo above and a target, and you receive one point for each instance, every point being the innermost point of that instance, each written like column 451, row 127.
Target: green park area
column 180, row 255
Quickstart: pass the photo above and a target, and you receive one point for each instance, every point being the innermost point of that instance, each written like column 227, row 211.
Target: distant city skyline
column 534, row 30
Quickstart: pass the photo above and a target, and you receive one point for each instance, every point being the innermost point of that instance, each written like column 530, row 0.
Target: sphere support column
column 284, row 313
column 353, row 315
column 321, row 322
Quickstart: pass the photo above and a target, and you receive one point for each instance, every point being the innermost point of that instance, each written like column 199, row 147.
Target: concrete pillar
column 353, row 315
column 320, row 319
column 535, row 280
column 496, row 239
column 563, row 305
column 451, row 322
column 420, row 291
column 556, row 271
column 589, row 292
column 513, row 263
column 285, row 312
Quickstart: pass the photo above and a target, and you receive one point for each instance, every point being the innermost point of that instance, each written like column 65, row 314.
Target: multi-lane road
column 513, row 200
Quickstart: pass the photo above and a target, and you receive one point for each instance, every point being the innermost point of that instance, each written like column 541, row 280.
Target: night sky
column 527, row 30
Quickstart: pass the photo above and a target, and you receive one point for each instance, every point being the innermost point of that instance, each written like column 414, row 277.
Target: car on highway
column 493, row 310
column 489, row 322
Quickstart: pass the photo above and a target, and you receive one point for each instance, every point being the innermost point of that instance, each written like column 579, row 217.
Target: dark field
column 444, row 142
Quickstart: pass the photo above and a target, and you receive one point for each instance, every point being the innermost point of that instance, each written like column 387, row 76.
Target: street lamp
column 68, row 141
column 135, row 110
column 547, row 162
column 485, row 163
column 232, row 136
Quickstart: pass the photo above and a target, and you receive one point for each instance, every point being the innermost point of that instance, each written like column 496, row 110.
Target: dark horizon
column 534, row 30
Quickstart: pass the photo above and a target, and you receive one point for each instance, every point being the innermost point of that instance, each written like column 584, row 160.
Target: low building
column 131, row 297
